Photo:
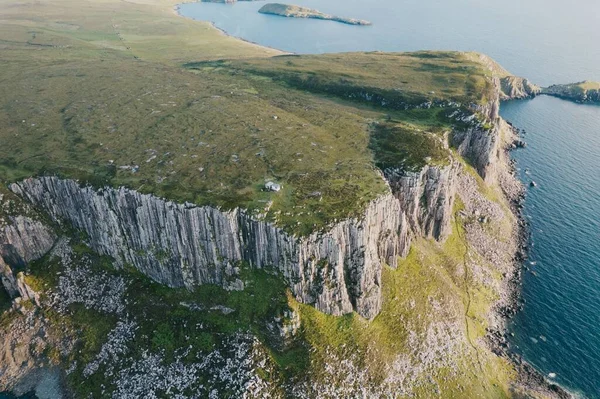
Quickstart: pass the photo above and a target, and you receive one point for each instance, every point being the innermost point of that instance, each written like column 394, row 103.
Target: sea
column 548, row 42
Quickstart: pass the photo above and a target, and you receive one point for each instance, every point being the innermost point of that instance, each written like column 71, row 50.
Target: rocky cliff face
column 514, row 87
column 23, row 238
column 426, row 198
column 183, row 245
column 582, row 92
column 479, row 145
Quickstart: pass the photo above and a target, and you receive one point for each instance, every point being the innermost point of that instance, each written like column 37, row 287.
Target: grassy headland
column 101, row 96
column 583, row 92
column 98, row 91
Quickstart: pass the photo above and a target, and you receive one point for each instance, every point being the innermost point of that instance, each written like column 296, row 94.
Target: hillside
column 144, row 251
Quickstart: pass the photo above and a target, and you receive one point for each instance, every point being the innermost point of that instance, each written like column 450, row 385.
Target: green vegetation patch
column 403, row 147
column 387, row 80
column 101, row 96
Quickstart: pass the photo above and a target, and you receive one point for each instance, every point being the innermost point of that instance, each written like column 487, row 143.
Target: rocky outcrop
column 480, row 146
column 22, row 240
column 514, row 88
column 582, row 92
column 24, row 367
column 477, row 139
column 25, row 239
column 426, row 197
column 184, row 245
column 509, row 87
column 16, row 286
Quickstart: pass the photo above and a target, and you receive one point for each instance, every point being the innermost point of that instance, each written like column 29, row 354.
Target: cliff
column 183, row 245
column 339, row 271
column 23, row 238
column 426, row 198
column 514, row 87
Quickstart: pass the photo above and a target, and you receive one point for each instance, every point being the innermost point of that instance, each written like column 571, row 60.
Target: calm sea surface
column 547, row 41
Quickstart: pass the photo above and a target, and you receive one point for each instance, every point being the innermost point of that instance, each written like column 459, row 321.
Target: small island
column 292, row 11
column 224, row 1
column 581, row 92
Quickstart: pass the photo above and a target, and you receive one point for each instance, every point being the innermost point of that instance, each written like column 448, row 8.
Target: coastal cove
column 556, row 330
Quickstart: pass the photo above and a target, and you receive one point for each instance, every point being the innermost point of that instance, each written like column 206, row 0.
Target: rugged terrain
column 581, row 92
column 143, row 255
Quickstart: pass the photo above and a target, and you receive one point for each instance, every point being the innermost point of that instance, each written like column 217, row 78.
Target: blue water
column 547, row 41
column 563, row 298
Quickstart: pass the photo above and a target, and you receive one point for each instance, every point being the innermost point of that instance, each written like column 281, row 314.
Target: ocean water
column 547, row 41
column 559, row 331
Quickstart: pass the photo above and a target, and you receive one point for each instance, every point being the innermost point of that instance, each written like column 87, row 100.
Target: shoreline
column 176, row 9
column 498, row 338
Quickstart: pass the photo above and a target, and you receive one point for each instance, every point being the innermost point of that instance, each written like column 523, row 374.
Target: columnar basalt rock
column 183, row 245
column 478, row 141
column 480, row 146
column 426, row 197
column 24, row 239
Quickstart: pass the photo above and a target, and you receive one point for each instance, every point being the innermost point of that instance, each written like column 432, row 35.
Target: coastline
column 176, row 9
column 506, row 308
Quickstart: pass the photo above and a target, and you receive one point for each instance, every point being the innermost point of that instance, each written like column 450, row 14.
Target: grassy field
column 396, row 79
column 96, row 91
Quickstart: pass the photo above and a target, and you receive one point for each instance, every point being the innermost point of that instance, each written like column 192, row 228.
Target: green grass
column 392, row 80
column 401, row 146
column 101, row 88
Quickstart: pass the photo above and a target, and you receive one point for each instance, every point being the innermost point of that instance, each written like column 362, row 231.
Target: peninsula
column 292, row 11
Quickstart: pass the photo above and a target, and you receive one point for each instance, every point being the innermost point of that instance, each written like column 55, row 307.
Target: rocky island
column 292, row 11
column 222, row 220
column 224, row 1
column 582, row 92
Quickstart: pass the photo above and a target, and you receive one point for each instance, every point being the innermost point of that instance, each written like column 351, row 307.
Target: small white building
column 271, row 186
